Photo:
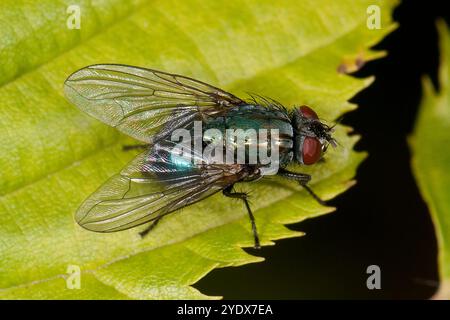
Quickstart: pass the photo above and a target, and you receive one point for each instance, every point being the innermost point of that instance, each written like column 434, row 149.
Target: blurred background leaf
column 53, row 156
column 431, row 159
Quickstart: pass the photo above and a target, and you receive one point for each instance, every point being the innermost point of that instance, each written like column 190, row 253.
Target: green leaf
column 431, row 159
column 53, row 156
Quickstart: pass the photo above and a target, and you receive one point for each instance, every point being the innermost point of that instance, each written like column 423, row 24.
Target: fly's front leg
column 228, row 192
column 303, row 180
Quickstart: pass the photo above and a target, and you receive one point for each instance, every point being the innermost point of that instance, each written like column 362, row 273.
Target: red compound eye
column 307, row 112
column 311, row 150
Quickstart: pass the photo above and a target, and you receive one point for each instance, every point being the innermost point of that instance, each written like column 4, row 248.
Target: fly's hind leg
column 228, row 192
column 303, row 180
column 150, row 227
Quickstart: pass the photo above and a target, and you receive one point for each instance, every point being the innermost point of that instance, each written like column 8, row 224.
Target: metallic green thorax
column 255, row 117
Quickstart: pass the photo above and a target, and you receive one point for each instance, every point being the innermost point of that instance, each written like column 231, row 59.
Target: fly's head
column 311, row 137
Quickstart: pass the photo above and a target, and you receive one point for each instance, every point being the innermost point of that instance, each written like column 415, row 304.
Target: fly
column 149, row 106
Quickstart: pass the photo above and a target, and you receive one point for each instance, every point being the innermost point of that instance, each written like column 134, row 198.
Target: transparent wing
column 142, row 102
column 151, row 186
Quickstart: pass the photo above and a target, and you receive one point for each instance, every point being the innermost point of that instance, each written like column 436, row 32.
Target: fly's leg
column 134, row 147
column 303, row 180
column 228, row 192
column 150, row 227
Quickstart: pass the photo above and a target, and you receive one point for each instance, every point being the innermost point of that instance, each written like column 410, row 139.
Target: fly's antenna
column 329, row 129
column 333, row 141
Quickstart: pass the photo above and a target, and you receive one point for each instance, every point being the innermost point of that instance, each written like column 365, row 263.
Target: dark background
column 382, row 220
